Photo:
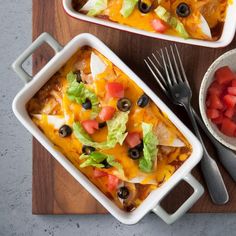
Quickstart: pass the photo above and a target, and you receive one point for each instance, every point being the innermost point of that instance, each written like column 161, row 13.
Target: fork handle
column 210, row 170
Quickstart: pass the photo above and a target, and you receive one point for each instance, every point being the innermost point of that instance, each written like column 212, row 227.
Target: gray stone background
column 15, row 162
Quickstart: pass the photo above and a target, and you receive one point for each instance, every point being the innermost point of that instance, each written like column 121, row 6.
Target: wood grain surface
column 54, row 190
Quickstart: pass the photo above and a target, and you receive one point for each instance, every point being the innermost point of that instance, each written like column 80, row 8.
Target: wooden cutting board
column 54, row 190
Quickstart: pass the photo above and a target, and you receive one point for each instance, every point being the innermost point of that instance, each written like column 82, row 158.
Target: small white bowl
column 227, row 59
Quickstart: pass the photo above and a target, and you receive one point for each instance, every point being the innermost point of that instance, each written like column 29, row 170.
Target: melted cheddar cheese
column 51, row 102
column 213, row 11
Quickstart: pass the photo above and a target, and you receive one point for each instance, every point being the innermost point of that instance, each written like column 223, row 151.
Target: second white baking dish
column 225, row 39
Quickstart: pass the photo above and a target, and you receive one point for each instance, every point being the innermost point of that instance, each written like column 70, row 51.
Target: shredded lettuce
column 128, row 7
column 116, row 129
column 96, row 158
column 150, row 149
column 175, row 23
column 98, row 7
column 116, row 132
column 79, row 93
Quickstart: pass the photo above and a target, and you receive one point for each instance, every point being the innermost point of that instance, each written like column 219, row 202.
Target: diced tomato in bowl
column 228, row 127
column 213, row 113
column 221, row 101
column 215, row 89
column 229, row 100
column 224, row 75
column 233, row 83
column 214, row 102
column 231, row 90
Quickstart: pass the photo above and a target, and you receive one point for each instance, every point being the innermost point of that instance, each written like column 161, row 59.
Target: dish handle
column 43, row 38
column 171, row 218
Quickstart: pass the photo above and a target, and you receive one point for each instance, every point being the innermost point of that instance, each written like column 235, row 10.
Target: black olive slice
column 88, row 149
column 78, row 76
column 102, row 125
column 124, row 104
column 134, row 153
column 106, row 164
column 65, row 131
column 143, row 101
column 183, row 10
column 144, row 7
column 87, row 105
column 123, row 192
column 139, row 146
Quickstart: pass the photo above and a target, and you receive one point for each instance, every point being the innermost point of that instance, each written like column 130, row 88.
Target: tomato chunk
column 229, row 113
column 107, row 113
column 233, row 84
column 228, row 127
column 231, row 90
column 113, row 182
column 159, row 26
column 90, row 126
column 115, row 90
column 218, row 120
column 133, row 139
column 224, row 75
column 215, row 89
column 229, row 100
column 214, row 102
column 213, row 113
column 98, row 173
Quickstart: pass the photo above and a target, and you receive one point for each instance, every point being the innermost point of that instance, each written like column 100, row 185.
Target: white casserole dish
column 33, row 84
column 225, row 39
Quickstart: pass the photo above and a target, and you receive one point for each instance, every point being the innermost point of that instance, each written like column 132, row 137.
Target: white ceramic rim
column 225, row 39
column 202, row 100
column 151, row 203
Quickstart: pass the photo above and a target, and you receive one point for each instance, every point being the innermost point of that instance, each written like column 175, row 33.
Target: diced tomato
column 215, row 89
column 229, row 100
column 113, row 182
column 98, row 173
column 107, row 113
column 233, row 83
column 212, row 113
column 218, row 120
column 228, row 127
column 231, row 90
column 224, row 75
column 133, row 139
column 214, row 102
column 115, row 90
column 229, row 112
column 159, row 25
column 90, row 126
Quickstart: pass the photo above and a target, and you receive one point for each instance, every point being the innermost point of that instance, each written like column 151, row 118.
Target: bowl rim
column 202, row 95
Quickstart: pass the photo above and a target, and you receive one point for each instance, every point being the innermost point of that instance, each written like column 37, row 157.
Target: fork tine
column 166, row 69
column 171, row 67
column 158, row 62
column 181, row 66
column 176, row 65
column 155, row 76
column 159, row 72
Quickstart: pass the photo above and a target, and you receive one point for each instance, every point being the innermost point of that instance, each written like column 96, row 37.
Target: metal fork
column 225, row 155
column 177, row 88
